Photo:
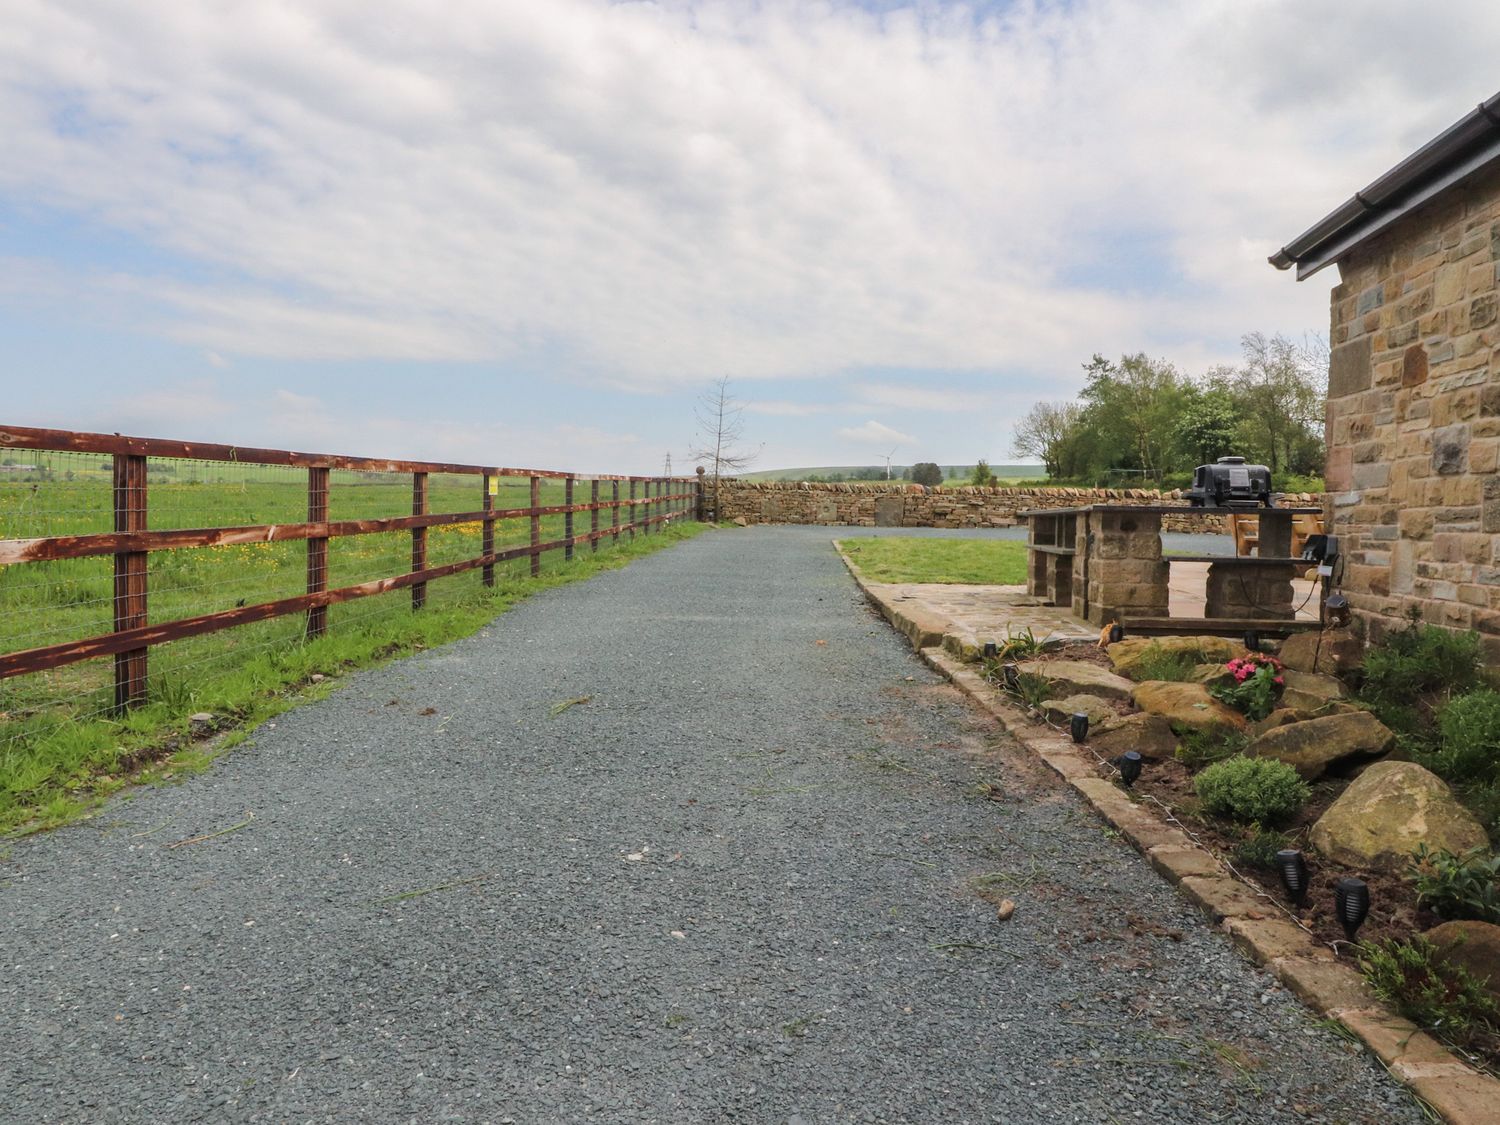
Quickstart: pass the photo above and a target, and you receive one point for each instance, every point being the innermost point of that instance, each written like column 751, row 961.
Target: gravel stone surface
column 752, row 879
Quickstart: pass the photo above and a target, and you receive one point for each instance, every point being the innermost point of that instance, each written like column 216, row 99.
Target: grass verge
column 55, row 768
column 996, row 562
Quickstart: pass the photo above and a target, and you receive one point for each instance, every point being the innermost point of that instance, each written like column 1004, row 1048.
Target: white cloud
column 758, row 190
column 780, row 409
column 876, row 433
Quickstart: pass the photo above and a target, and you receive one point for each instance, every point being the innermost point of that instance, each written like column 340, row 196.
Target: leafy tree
column 1131, row 407
column 928, row 473
column 981, row 477
column 1280, row 393
column 1049, row 431
column 1208, row 421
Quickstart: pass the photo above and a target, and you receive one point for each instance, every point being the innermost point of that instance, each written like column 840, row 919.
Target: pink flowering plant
column 1256, row 682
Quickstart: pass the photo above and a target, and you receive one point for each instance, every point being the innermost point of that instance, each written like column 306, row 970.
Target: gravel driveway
column 750, row 880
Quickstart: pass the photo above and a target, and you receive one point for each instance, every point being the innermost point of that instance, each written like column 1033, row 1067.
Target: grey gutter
column 1453, row 155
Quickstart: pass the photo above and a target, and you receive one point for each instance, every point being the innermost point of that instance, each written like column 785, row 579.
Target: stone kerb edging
column 1256, row 926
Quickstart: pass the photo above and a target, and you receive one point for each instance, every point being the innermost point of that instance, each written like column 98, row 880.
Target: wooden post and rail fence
column 132, row 540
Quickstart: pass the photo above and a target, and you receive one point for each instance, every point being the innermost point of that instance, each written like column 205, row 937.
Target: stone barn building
column 1413, row 416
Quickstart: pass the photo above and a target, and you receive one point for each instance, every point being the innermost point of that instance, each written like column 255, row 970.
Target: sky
column 533, row 232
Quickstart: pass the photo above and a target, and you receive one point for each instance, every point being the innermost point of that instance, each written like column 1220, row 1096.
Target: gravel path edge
column 1336, row 990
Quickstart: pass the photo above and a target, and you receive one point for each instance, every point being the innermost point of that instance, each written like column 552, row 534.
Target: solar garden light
column 1351, row 902
column 1293, row 868
column 1116, row 633
column 1012, row 675
column 1252, row 640
column 1130, row 767
column 1078, row 726
column 991, row 650
column 1336, row 610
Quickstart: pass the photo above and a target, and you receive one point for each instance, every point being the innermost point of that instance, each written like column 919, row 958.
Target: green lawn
column 997, row 562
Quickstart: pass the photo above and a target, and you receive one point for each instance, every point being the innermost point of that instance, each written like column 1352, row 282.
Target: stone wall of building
column 873, row 504
column 1414, row 418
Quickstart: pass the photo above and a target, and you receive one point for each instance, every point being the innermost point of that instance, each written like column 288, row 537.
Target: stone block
column 1414, row 366
column 1450, row 446
column 1349, row 370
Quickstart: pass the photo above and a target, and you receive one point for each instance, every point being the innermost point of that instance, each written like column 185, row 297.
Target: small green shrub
column 1468, row 746
column 1199, row 748
column 1429, row 991
column 1260, row 847
column 1458, row 886
column 1418, row 662
column 1157, row 663
column 1251, row 790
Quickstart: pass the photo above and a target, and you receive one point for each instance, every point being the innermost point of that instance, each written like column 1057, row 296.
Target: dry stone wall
column 1413, row 419
column 878, row 504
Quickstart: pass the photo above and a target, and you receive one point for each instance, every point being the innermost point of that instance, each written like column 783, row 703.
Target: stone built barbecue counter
column 1106, row 562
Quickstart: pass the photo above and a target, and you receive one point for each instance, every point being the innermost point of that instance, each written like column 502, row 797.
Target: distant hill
column 850, row 472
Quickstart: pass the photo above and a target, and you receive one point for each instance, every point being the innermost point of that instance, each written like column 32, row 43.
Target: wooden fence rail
column 132, row 540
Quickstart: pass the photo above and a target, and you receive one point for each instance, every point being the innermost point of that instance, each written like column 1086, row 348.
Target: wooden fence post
column 317, row 550
column 594, row 516
column 614, row 510
column 487, row 538
column 701, row 499
column 568, row 520
column 632, row 510
column 418, row 538
column 130, row 577
column 536, row 526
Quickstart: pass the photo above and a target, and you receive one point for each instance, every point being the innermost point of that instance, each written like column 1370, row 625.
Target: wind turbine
column 888, row 457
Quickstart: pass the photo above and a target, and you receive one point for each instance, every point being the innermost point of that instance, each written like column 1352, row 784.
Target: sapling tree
column 721, row 429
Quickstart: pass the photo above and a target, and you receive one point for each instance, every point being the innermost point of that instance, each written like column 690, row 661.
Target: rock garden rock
column 1474, row 946
column 1307, row 691
column 1207, row 674
column 1126, row 654
column 1060, row 710
column 1387, row 811
column 1310, row 747
column 1186, row 706
column 1338, row 653
column 1077, row 676
column 1150, row 735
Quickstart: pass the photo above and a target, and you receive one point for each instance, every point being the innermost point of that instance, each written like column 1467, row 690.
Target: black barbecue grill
column 1230, row 483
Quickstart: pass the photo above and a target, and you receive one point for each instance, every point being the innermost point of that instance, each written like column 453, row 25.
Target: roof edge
column 1454, row 154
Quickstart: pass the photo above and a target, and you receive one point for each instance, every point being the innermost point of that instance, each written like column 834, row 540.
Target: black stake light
column 1078, row 726
column 1252, row 640
column 1293, row 868
column 1351, row 902
column 1011, row 675
column 1130, row 767
column 1116, row 633
column 991, row 650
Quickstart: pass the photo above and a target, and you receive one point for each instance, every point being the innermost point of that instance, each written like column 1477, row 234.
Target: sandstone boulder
column 1387, row 811
column 1186, row 706
column 1074, row 676
column 1126, row 654
column 1150, row 735
column 1312, row 746
column 1061, row 710
column 1474, row 946
column 1308, row 691
column 1337, row 652
column 1208, row 674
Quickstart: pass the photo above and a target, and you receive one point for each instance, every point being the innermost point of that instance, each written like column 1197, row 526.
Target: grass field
column 998, row 562
column 60, row 749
